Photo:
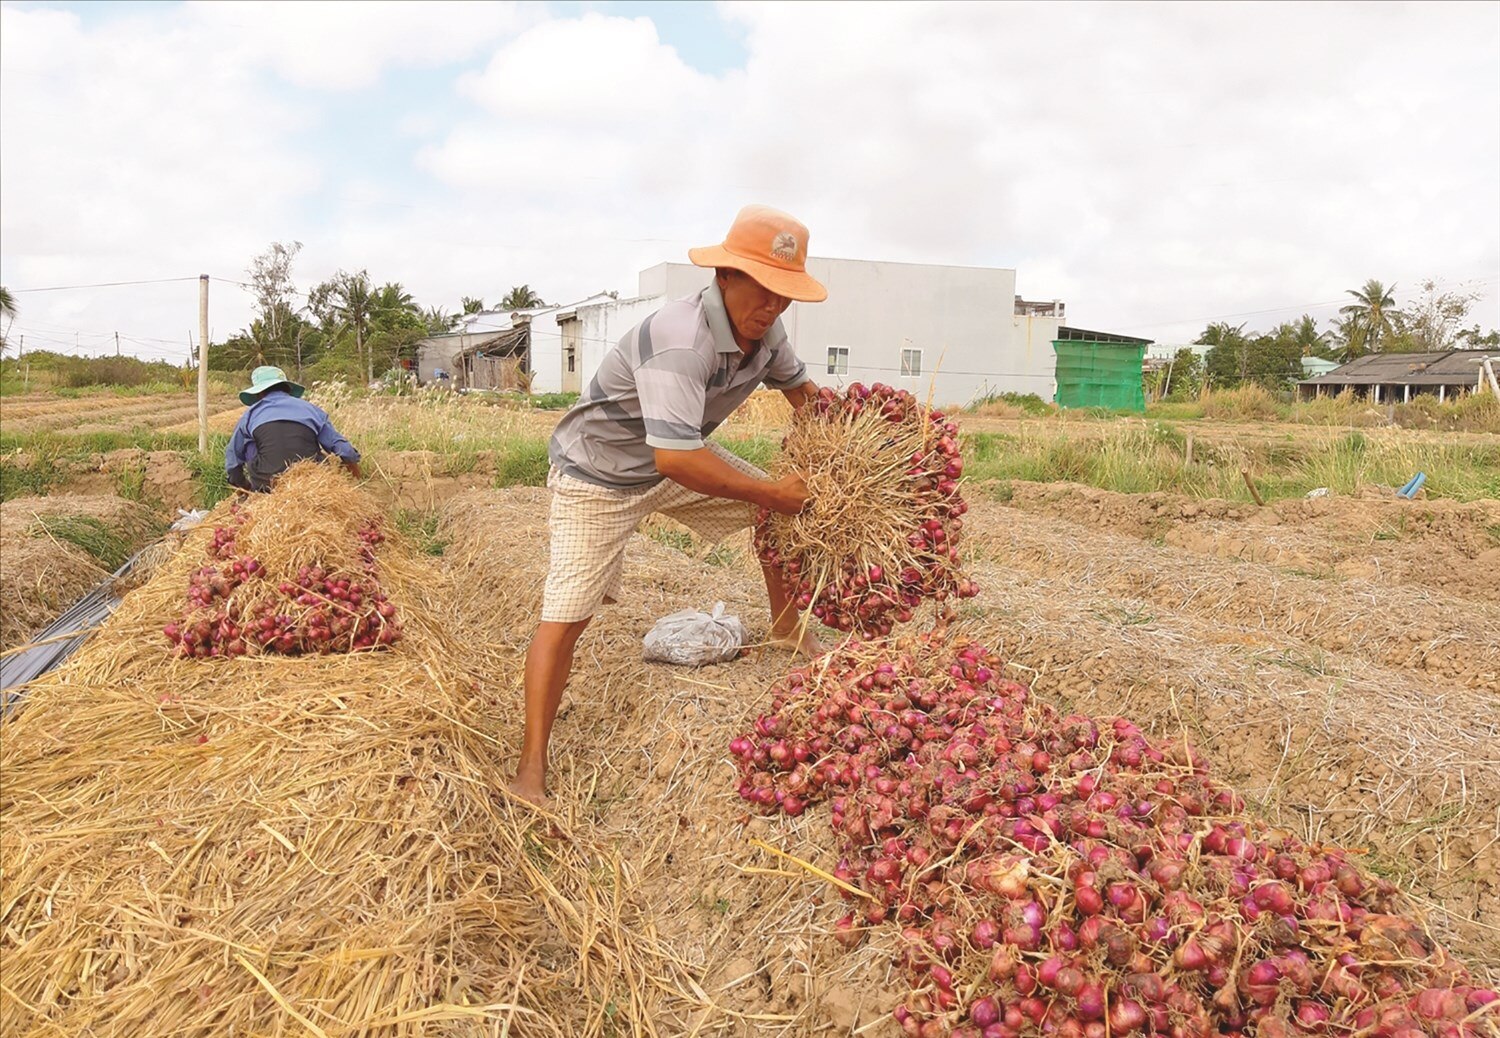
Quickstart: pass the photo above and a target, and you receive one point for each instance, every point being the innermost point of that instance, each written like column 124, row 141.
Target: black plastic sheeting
column 51, row 646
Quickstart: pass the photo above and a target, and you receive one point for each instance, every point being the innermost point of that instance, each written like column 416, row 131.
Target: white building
column 958, row 333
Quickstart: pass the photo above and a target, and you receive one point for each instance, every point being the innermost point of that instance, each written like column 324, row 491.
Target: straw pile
column 311, row 845
column 881, row 528
column 53, row 550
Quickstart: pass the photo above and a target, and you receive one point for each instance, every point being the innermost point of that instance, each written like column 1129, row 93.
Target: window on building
column 838, row 360
column 572, row 359
column 911, row 362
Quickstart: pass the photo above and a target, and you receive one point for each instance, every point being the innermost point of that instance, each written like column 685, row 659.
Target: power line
column 104, row 284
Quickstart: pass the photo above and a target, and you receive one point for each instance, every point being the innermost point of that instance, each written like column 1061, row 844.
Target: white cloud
column 329, row 45
column 1154, row 165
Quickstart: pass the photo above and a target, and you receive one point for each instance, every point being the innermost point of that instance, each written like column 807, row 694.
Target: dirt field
column 1360, row 710
column 1337, row 658
column 107, row 412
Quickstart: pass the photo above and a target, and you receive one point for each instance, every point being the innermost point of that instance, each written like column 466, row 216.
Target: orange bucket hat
column 771, row 247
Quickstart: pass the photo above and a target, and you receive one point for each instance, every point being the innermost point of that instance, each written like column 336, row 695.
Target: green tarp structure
column 1099, row 369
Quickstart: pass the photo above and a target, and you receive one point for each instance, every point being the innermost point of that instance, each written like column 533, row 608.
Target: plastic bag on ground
column 694, row 639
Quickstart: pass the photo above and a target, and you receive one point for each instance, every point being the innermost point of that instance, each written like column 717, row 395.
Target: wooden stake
column 202, row 363
column 1251, row 484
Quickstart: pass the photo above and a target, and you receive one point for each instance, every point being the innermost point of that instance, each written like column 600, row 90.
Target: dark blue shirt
column 279, row 407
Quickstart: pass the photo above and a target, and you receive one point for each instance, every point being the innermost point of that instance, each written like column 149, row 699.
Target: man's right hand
column 787, row 495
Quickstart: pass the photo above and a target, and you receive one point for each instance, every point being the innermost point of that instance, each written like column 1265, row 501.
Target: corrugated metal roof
column 1447, row 368
column 1067, row 334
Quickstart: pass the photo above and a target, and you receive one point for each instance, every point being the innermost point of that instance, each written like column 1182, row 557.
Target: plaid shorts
column 591, row 525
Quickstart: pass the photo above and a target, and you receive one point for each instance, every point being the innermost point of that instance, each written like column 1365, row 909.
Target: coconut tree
column 1373, row 313
column 521, row 298
column 438, row 320
column 7, row 311
column 352, row 301
column 469, row 305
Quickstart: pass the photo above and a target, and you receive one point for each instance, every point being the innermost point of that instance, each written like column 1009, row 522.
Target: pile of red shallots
column 880, row 531
column 236, row 608
column 1069, row 877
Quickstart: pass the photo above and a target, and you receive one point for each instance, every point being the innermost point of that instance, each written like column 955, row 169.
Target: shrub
column 1248, row 401
column 554, row 401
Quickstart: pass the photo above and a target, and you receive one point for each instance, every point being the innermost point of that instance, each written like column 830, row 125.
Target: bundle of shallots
column 880, row 531
column 1067, row 877
column 291, row 572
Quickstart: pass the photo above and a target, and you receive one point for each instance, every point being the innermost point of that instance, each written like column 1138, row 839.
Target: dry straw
column 43, row 573
column 864, row 494
column 278, row 846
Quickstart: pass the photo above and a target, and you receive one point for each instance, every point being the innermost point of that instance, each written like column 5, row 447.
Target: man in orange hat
column 635, row 444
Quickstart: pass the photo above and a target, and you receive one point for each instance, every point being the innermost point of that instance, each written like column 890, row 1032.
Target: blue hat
column 266, row 377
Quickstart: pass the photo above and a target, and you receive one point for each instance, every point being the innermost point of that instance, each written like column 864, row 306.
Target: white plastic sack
column 694, row 639
column 186, row 520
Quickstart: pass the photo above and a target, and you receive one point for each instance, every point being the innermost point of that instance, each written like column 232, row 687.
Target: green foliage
column 32, row 475
column 1272, row 360
column 130, row 482
column 1185, row 375
column 521, row 298
column 1434, row 320
column 554, row 401
column 69, row 372
column 757, row 450
column 1136, row 459
column 109, row 547
column 78, row 446
column 1372, row 319
column 210, row 481
column 1026, row 403
column 421, row 529
column 522, row 463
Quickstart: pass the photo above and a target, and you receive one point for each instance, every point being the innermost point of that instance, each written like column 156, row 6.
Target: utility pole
column 117, row 344
column 202, row 363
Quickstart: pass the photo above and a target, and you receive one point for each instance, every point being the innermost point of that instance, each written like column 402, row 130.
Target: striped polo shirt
column 669, row 382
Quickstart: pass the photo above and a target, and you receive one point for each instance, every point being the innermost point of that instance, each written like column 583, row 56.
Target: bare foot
column 531, row 794
column 799, row 640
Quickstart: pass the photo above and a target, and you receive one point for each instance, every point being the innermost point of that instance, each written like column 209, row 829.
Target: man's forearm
column 705, row 472
column 800, row 394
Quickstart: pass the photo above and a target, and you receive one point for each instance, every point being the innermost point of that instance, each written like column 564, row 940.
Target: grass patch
column 721, row 555
column 421, row 529
column 130, row 483
column 1011, row 405
column 523, row 463
column 757, row 450
column 93, row 535
column 554, row 401
column 669, row 536
column 210, row 481
column 78, row 445
column 35, row 475
column 1137, row 458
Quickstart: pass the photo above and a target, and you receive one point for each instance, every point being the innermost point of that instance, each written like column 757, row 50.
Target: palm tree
column 354, row 303
column 7, row 310
column 1307, row 337
column 470, row 305
column 521, row 298
column 438, row 320
column 1373, row 314
column 394, row 298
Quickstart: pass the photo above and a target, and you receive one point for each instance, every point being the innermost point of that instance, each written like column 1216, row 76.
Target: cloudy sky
column 1155, row 165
